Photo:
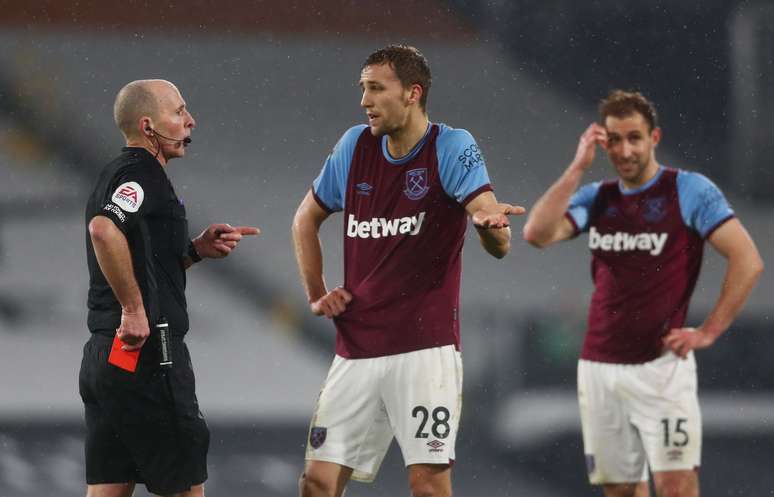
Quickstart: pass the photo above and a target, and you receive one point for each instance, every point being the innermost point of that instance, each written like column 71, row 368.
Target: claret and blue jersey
column 647, row 245
column 404, row 227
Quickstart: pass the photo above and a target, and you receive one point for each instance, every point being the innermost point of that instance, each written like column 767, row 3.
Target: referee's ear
column 145, row 126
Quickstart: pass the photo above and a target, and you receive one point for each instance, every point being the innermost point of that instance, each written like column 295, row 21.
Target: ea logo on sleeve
column 129, row 196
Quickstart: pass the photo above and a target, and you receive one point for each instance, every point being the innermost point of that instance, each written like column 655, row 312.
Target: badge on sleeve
column 128, row 196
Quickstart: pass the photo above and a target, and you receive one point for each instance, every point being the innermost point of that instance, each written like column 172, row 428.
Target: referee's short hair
column 134, row 101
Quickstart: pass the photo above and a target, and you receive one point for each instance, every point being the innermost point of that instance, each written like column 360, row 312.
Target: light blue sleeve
column 461, row 164
column 702, row 204
column 330, row 186
column 580, row 204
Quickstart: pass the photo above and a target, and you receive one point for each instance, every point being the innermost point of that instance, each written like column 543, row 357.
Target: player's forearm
column 545, row 217
column 496, row 241
column 115, row 261
column 308, row 249
column 742, row 274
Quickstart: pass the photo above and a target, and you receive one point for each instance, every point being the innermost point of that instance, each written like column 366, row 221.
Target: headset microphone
column 185, row 141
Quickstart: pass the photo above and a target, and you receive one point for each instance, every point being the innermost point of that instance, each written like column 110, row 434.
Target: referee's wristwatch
column 192, row 253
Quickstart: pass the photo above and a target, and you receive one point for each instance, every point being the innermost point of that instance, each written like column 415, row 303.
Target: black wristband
column 192, row 253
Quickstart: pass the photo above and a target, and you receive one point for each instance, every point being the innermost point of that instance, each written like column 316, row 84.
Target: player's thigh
column 430, row 480
column 613, row 449
column 423, row 396
column 349, row 426
column 665, row 409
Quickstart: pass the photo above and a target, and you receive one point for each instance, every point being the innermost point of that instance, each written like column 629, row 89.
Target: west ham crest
column 655, row 209
column 416, row 184
column 317, row 436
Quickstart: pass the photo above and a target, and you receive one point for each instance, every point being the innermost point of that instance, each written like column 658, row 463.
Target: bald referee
column 137, row 384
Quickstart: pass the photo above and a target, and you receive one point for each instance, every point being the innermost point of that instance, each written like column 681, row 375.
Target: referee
column 137, row 384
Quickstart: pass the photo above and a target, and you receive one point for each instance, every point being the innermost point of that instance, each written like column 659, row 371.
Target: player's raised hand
column 332, row 303
column 218, row 240
column 683, row 340
column 496, row 215
column 133, row 330
column 587, row 146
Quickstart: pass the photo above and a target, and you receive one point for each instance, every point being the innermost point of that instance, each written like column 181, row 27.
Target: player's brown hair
column 409, row 65
column 620, row 104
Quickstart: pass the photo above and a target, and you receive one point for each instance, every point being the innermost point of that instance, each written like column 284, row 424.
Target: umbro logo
column 363, row 188
column 435, row 445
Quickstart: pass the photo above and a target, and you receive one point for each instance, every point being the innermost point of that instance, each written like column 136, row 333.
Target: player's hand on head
column 218, row 240
column 594, row 135
column 496, row 215
column 332, row 303
column 683, row 340
column 134, row 329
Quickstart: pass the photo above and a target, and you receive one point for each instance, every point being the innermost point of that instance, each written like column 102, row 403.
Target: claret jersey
column 404, row 226
column 646, row 246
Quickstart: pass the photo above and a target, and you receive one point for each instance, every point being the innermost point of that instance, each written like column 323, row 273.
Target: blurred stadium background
column 272, row 85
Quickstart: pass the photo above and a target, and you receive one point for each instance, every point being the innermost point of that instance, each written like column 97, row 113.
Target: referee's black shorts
column 139, row 427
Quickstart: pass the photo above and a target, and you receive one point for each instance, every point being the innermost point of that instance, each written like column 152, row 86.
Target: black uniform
column 143, row 426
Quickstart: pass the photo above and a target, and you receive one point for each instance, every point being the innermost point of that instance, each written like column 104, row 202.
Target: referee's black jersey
column 135, row 193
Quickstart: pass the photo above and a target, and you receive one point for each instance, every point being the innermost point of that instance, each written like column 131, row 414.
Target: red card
column 124, row 359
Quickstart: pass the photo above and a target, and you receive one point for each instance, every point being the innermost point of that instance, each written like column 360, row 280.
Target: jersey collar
column 651, row 182
column 414, row 151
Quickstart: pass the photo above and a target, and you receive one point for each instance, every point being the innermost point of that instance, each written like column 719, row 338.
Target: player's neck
column 402, row 141
column 647, row 174
column 144, row 144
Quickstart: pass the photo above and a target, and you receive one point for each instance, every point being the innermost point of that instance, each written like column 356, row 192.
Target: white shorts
column 639, row 415
column 415, row 397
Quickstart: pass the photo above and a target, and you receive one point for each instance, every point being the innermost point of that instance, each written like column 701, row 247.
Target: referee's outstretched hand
column 134, row 329
column 219, row 240
column 332, row 303
column 496, row 215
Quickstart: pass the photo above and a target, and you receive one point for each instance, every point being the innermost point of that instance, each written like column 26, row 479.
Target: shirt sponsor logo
column 653, row 243
column 471, row 157
column 379, row 227
column 129, row 196
column 416, row 183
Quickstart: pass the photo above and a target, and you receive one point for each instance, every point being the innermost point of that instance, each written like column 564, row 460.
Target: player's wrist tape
column 192, row 253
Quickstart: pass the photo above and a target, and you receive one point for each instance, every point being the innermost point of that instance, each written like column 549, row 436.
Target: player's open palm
column 133, row 330
column 496, row 215
column 332, row 303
